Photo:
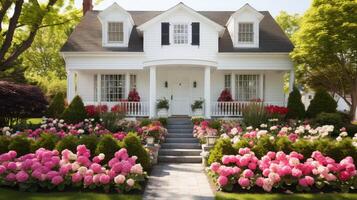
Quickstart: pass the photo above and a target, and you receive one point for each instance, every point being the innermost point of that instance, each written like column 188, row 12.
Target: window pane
column 115, row 32
column 247, row 87
column 245, row 32
column 227, row 82
column 132, row 81
column 113, row 87
column 180, row 34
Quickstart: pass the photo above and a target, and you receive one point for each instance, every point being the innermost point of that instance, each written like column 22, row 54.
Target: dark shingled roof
column 87, row 36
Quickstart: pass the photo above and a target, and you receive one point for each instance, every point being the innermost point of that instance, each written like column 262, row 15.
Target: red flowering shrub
column 276, row 111
column 94, row 111
column 119, row 108
column 134, row 96
column 225, row 96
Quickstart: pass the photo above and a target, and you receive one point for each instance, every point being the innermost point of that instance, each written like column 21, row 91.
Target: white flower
column 263, row 125
column 130, row 182
column 101, row 156
column 234, row 131
column 80, row 131
column 273, row 128
column 82, row 170
column 8, row 133
column 354, row 144
column 119, row 179
column 75, row 166
column 261, row 133
column 72, row 156
column 339, row 138
column 293, row 161
column 249, row 128
column 235, row 139
column 271, row 138
column 86, row 120
column 344, row 134
column 224, row 136
column 61, row 120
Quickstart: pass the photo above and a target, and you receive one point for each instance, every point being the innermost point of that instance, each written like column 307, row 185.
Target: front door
column 180, row 94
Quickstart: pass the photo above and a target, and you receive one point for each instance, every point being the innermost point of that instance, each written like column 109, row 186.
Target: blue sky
column 273, row 6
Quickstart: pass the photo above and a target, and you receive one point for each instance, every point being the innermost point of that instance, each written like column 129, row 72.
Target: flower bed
column 52, row 170
column 277, row 170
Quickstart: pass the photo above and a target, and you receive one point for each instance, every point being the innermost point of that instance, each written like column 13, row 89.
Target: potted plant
column 152, row 135
column 162, row 107
column 197, row 108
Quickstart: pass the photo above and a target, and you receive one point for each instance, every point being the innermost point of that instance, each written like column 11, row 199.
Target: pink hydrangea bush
column 202, row 130
column 49, row 170
column 280, row 170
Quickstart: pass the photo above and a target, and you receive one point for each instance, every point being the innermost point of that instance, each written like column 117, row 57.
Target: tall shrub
column 75, row 112
column 221, row 148
column 254, row 114
column 296, row 109
column 322, row 102
column 56, row 107
column 225, row 95
column 133, row 144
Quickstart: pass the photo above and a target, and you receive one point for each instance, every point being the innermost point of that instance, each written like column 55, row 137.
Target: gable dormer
column 243, row 27
column 117, row 25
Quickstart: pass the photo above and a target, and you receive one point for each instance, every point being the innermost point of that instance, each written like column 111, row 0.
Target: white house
column 180, row 54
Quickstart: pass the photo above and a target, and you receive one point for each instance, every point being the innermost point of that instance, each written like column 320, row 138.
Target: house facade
column 180, row 54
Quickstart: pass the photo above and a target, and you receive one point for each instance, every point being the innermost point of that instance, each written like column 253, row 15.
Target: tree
column 296, row 109
column 56, row 107
column 75, row 112
column 326, row 48
column 289, row 23
column 322, row 102
column 18, row 31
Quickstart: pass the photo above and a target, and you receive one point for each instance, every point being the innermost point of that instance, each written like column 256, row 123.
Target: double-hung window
column 180, row 33
column 227, row 82
column 245, row 33
column 112, row 87
column 247, row 87
column 132, row 82
column 115, row 32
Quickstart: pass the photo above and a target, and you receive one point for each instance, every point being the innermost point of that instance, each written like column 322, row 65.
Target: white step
column 180, row 152
column 180, row 159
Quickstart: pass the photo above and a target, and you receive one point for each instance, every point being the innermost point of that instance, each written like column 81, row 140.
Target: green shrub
column 296, row 109
column 283, row 144
column 4, row 144
column 254, row 114
column 145, row 122
column 222, row 147
column 108, row 146
column 263, row 146
column 110, row 120
column 133, row 144
column 215, row 124
column 75, row 112
column 322, row 102
column 244, row 142
column 47, row 141
column 163, row 121
column 20, row 144
column 56, row 107
column 69, row 142
column 90, row 141
column 336, row 150
column 197, row 120
column 305, row 147
column 334, row 119
column 351, row 129
column 162, row 104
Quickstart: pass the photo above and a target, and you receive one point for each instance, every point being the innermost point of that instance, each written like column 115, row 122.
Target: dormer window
column 245, row 33
column 115, row 32
column 180, row 35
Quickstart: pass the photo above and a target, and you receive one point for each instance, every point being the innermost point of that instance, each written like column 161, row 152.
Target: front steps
column 180, row 145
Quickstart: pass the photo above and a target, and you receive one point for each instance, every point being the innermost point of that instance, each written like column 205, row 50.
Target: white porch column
column 291, row 80
column 233, row 86
column 152, row 99
column 99, row 88
column 261, row 86
column 70, row 86
column 207, row 92
column 127, row 84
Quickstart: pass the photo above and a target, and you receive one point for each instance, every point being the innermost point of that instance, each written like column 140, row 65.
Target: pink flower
column 96, row 168
column 260, row 181
column 76, row 177
column 344, row 176
column 57, row 180
column 130, row 182
column 252, row 166
column 248, row 173
column 244, row 182
column 2, row 169
column 225, row 160
column 119, row 179
column 11, row 166
column 215, row 166
column 296, row 172
column 104, row 179
column 222, row 180
column 22, row 176
column 10, row 177
column 88, row 180
column 96, row 178
column 309, row 180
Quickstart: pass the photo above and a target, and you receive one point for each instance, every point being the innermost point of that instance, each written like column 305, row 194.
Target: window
column 247, row 87
column 112, row 87
column 180, row 34
column 245, row 32
column 95, row 81
column 227, row 82
column 115, row 32
column 132, row 81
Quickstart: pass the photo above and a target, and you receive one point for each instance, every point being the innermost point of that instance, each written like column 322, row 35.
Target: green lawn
column 34, row 120
column 235, row 196
column 8, row 194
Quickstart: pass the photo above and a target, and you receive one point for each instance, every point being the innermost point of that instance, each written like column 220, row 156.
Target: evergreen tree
column 56, row 107
column 75, row 112
column 296, row 109
column 322, row 102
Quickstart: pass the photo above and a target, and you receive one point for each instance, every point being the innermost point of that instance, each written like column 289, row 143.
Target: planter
column 162, row 113
column 150, row 141
column 198, row 112
column 210, row 140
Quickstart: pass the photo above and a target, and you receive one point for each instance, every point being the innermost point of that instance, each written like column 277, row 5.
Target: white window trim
column 259, row 86
column 255, row 43
column 246, row 42
column 102, row 99
column 189, row 34
column 115, row 42
column 105, row 38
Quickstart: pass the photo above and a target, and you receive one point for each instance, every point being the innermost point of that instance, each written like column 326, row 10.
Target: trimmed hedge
column 221, row 148
column 75, row 112
column 133, row 144
column 296, row 109
column 56, row 107
column 322, row 102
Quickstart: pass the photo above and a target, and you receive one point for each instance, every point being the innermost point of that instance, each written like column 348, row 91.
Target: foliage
column 215, row 124
column 225, row 96
column 322, row 102
column 108, row 146
column 334, row 119
column 254, row 114
column 145, row 122
column 133, row 144
column 4, row 144
column 69, row 142
column 198, row 104
column 325, row 48
column 50, row 84
column 110, row 120
column 20, row 144
column 162, row 104
column 56, row 107
column 20, row 101
column 94, row 111
column 163, row 121
column 75, row 112
column 351, row 129
column 296, row 109
column 197, row 120
column 134, row 96
column 289, row 23
column 221, row 148
column 90, row 141
column 47, row 141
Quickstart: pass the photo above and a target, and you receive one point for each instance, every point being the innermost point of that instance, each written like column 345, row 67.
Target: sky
column 273, row 6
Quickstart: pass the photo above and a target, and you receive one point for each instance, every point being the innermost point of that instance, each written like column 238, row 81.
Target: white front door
column 180, row 94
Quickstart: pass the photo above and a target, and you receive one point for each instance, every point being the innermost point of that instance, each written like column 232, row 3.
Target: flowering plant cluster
column 94, row 111
column 281, row 171
column 203, row 129
column 276, row 111
column 156, row 130
column 133, row 96
column 225, row 96
column 51, row 170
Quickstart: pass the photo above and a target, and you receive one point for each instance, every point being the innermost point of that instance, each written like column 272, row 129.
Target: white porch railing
column 133, row 109
column 233, row 108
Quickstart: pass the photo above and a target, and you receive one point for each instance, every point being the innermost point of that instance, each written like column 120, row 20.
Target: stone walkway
column 178, row 181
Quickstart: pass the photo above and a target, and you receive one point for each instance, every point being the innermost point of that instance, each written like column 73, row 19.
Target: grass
column 9, row 194
column 235, row 196
column 34, row 120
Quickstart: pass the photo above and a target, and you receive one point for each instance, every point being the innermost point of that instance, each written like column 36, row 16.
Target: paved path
column 184, row 181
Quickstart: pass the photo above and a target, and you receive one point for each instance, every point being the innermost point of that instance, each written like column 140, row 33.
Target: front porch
column 181, row 85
